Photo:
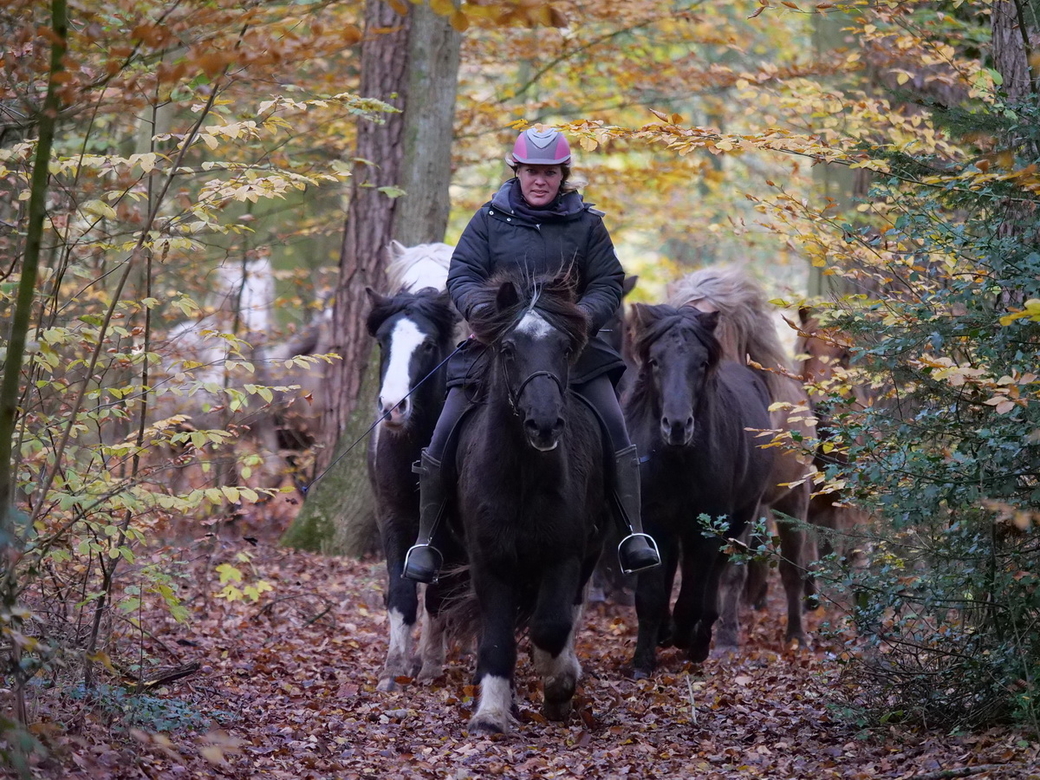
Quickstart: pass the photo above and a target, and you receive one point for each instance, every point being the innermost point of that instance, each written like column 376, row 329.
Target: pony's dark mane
column 652, row 323
column 553, row 298
column 432, row 304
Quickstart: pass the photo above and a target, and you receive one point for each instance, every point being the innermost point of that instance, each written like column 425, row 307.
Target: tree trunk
column 1014, row 24
column 384, row 54
column 412, row 151
column 831, row 181
column 421, row 215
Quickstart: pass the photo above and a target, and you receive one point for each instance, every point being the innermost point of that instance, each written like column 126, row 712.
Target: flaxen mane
column 745, row 328
column 411, row 268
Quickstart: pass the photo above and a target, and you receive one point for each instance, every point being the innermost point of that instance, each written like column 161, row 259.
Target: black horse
column 415, row 331
column 689, row 413
column 530, row 494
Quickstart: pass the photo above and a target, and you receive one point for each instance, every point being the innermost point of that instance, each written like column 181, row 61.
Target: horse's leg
column 553, row 627
column 698, row 607
column 792, row 557
column 757, row 586
column 401, row 600
column 699, row 592
column 433, row 636
column 496, row 651
column 653, row 592
column 731, row 588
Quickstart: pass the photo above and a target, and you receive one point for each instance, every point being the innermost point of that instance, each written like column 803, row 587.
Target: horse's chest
column 522, row 517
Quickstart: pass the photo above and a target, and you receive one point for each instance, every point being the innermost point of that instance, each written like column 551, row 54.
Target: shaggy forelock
column 553, row 298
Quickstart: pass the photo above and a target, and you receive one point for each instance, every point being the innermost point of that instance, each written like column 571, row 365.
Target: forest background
column 876, row 160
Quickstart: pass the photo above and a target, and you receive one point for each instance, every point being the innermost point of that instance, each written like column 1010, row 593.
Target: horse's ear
column 508, row 296
column 395, row 249
column 805, row 315
column 629, row 284
column 375, row 298
column 709, row 319
column 444, row 299
column 640, row 315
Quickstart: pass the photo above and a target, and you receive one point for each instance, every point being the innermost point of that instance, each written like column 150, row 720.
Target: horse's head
column 535, row 332
column 825, row 350
column 676, row 351
column 414, row 331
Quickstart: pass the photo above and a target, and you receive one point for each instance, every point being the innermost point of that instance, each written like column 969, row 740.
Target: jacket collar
column 509, row 201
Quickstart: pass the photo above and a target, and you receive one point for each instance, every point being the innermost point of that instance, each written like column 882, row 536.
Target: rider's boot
column 638, row 550
column 423, row 561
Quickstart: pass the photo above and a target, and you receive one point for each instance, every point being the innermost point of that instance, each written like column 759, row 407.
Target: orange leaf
column 459, row 21
column 758, row 10
column 351, row 34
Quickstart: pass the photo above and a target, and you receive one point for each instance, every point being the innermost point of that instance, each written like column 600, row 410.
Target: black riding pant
column 599, row 392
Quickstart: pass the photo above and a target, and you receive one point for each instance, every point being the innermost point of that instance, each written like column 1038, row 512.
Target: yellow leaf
column 902, row 78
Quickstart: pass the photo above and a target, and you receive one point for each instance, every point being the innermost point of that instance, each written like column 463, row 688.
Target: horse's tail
column 746, row 328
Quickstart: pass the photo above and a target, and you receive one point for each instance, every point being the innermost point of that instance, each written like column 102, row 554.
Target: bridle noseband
column 514, row 397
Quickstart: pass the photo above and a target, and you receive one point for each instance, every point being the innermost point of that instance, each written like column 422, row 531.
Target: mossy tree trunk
column 415, row 68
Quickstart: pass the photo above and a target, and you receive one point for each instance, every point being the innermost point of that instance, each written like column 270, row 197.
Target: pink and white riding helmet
column 541, row 147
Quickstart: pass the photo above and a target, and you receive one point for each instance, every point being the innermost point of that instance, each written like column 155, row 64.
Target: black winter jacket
column 571, row 237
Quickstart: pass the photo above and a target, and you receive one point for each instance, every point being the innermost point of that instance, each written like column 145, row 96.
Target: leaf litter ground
column 286, row 688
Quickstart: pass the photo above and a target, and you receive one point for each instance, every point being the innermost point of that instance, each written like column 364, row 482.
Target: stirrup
column 413, row 569
column 651, row 545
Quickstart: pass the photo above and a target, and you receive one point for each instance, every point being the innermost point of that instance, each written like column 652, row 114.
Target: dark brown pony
column 692, row 415
column 530, row 497
column 747, row 332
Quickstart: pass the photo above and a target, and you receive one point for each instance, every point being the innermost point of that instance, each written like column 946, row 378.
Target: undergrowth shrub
column 945, row 319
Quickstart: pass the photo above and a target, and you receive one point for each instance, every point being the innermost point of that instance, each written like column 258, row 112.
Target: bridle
column 514, row 396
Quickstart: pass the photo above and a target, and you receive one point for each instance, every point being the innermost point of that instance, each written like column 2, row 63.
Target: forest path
column 291, row 683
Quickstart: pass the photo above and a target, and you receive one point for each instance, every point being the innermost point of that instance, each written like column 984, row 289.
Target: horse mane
column 554, row 298
column 649, row 323
column 411, row 268
column 432, row 304
column 745, row 328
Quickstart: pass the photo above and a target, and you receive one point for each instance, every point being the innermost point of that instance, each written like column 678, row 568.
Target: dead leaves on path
column 289, row 685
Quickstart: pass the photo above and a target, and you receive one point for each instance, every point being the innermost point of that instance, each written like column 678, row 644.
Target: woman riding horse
column 538, row 223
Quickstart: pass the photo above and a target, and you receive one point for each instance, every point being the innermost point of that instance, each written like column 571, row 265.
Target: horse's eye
column 652, row 362
column 428, row 346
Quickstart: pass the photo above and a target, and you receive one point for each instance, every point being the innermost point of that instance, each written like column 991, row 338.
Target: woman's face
column 539, row 183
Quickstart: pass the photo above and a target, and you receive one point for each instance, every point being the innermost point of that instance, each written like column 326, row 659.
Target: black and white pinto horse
column 530, row 497
column 689, row 414
column 416, row 331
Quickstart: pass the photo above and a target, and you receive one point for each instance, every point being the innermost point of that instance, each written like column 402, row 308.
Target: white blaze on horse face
column 404, row 340
column 534, row 325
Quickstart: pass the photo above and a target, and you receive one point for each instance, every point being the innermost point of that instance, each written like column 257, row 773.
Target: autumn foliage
column 866, row 159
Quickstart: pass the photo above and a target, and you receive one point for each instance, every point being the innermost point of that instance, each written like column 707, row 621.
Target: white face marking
column 534, row 325
column 404, row 340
